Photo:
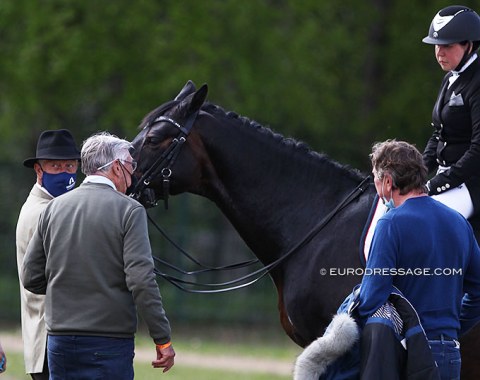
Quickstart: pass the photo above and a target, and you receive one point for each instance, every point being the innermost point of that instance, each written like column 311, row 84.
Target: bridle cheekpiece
column 163, row 164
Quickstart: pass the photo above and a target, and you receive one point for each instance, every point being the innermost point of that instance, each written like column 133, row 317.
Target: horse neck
column 269, row 188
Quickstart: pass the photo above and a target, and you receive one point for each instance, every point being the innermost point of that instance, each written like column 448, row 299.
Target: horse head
column 168, row 149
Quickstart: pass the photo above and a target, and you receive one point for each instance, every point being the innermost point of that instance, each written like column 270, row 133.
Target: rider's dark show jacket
column 455, row 142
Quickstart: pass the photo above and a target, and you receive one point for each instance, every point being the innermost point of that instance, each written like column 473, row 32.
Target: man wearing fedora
column 55, row 164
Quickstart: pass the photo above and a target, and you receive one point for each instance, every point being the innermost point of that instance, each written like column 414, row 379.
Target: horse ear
column 188, row 89
column 198, row 98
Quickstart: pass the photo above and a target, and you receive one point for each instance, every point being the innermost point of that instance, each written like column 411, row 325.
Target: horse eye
column 153, row 140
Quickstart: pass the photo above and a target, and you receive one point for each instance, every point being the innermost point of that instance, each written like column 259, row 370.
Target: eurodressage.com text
column 391, row 271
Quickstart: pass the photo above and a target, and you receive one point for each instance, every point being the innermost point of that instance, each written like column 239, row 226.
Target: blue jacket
column 429, row 253
column 392, row 345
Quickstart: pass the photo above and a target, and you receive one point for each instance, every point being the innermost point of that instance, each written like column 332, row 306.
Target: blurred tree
column 338, row 75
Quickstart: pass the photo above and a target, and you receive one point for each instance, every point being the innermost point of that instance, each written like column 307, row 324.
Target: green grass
column 144, row 371
column 210, row 342
column 15, row 367
column 186, row 373
column 269, row 343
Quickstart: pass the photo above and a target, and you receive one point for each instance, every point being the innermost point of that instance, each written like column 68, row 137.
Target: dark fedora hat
column 54, row 145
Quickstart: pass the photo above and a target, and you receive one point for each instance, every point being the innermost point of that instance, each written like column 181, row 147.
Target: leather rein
column 163, row 166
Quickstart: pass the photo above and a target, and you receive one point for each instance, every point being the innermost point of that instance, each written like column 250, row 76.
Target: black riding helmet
column 454, row 24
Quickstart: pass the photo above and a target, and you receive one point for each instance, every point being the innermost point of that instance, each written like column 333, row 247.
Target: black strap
column 262, row 272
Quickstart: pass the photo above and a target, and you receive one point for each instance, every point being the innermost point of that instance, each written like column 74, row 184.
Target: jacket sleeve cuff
column 438, row 184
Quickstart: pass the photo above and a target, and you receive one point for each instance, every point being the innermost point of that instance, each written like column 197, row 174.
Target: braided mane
column 299, row 147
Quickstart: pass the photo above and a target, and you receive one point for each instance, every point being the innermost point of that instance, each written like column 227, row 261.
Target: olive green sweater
column 91, row 256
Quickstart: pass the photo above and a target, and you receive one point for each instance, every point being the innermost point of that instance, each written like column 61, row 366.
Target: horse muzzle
column 146, row 197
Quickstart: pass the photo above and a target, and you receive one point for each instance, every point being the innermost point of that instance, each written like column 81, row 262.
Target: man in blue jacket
column 426, row 250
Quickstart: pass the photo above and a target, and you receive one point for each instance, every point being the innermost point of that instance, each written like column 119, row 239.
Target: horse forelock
column 289, row 143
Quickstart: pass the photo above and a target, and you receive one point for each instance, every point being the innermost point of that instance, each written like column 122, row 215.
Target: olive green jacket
column 91, row 256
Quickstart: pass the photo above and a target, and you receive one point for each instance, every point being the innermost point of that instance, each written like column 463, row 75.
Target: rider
column 453, row 150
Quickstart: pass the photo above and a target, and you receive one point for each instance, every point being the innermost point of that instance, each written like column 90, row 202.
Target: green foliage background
column 337, row 75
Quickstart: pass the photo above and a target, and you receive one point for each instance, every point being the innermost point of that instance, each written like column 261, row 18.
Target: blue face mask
column 58, row 184
column 388, row 204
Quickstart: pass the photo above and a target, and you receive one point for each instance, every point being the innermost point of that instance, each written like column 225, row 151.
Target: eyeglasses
column 133, row 163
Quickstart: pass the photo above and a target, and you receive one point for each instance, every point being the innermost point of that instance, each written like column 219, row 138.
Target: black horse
column 301, row 213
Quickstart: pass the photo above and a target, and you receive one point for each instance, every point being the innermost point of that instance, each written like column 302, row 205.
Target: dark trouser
column 77, row 357
column 40, row 376
column 446, row 353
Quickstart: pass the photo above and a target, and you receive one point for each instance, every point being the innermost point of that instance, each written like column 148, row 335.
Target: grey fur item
column 340, row 336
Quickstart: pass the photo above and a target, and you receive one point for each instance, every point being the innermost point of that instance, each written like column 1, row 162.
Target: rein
column 163, row 166
column 258, row 274
column 206, row 268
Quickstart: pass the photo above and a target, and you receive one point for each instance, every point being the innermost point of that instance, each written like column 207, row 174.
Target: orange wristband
column 162, row 346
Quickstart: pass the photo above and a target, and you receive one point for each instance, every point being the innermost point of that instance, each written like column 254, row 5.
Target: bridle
column 163, row 164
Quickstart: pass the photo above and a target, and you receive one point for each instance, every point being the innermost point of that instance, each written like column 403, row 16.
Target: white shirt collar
column 99, row 179
column 455, row 74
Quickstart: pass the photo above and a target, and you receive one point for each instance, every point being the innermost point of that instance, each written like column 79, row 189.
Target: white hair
column 101, row 149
